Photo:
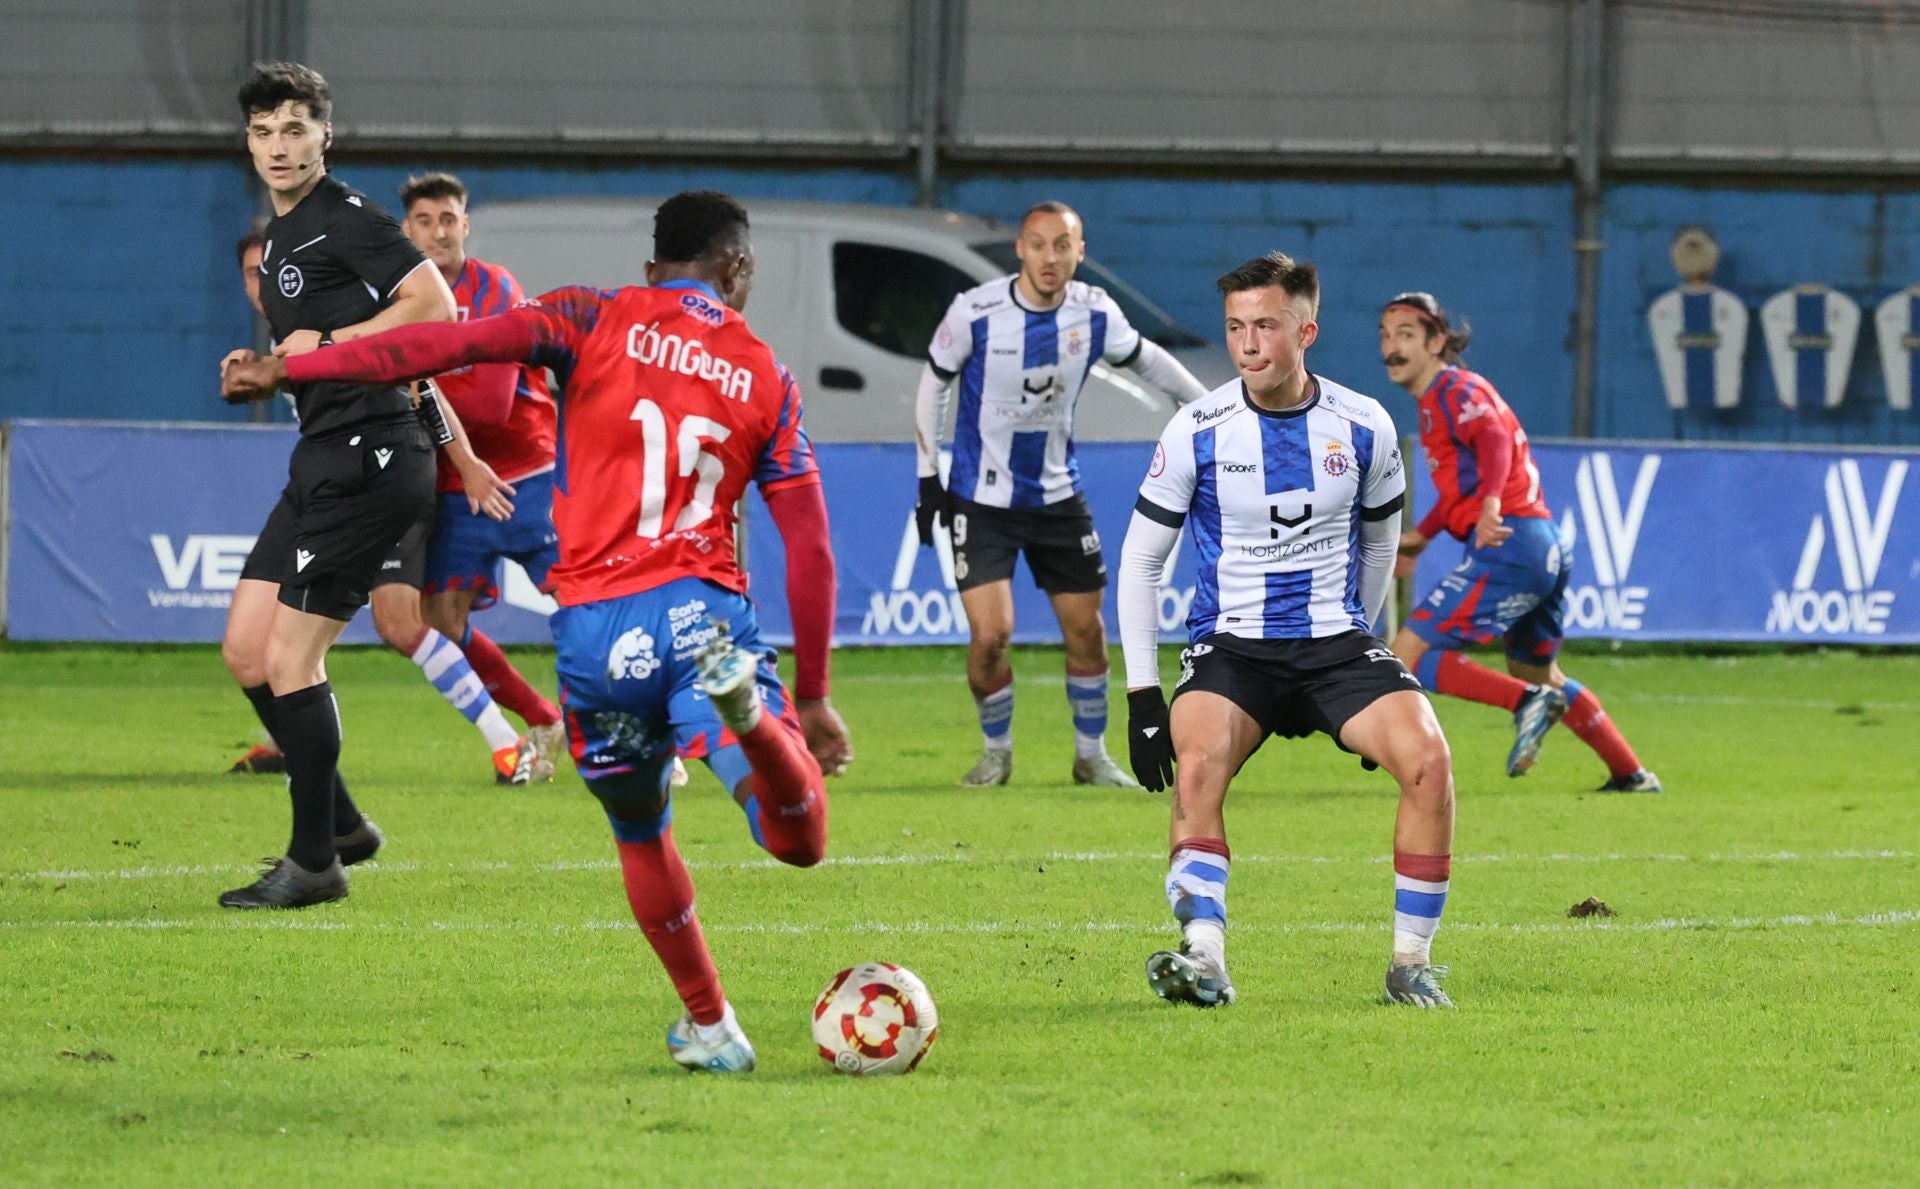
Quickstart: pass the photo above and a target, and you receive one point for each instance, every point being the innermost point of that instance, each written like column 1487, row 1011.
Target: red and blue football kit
column 669, row 407
column 520, row 443
column 1516, row 591
column 509, row 417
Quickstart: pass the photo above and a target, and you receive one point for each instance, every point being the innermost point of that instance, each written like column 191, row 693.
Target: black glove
column 1150, row 738
column 930, row 508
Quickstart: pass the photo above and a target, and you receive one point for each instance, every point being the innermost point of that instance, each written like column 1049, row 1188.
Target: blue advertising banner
column 1679, row 543
column 895, row 591
column 137, row 532
column 125, row 532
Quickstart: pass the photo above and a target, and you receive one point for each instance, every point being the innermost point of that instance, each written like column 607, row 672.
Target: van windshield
column 1147, row 318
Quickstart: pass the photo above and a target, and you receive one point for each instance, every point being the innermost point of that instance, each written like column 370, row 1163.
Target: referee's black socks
column 346, row 815
column 308, row 728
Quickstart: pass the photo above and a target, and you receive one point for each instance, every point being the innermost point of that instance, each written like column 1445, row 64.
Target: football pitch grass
column 482, row 1009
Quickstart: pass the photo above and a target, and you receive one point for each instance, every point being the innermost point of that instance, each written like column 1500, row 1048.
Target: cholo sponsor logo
column 1858, row 535
column 1612, row 601
column 200, row 572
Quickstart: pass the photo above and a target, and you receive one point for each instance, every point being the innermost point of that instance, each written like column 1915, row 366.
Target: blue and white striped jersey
column 1020, row 373
column 1274, row 503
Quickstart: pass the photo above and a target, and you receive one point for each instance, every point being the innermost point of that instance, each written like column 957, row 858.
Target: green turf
column 483, row 1011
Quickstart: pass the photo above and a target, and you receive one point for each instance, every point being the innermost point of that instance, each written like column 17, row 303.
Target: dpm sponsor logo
column 215, row 560
column 1859, row 538
column 1612, row 602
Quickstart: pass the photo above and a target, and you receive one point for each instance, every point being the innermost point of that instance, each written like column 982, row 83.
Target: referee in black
column 336, row 267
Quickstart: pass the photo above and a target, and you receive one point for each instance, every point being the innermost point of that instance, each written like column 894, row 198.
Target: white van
column 848, row 297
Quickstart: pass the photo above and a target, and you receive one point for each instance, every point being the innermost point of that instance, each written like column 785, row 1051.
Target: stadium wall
column 120, row 295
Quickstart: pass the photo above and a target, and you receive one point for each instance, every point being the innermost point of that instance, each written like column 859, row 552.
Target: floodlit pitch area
column 483, row 1006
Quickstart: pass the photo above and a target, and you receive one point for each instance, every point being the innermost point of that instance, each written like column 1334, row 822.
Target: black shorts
column 350, row 499
column 1062, row 549
column 406, row 563
column 1293, row 688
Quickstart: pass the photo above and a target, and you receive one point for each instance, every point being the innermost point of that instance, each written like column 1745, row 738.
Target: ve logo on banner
column 1612, row 533
column 1859, row 539
column 218, row 559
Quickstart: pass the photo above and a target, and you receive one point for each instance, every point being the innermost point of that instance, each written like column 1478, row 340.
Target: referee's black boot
column 358, row 844
column 286, row 884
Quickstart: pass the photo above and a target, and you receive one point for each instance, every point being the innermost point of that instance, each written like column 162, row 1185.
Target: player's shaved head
column 1054, row 208
column 698, row 225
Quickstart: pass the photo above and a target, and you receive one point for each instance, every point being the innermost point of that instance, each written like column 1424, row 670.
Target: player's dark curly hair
column 252, row 239
column 431, row 185
column 1437, row 321
column 1299, row 278
column 274, row 83
column 695, row 223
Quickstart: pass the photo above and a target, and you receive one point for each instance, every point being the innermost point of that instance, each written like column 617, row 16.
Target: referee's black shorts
column 1061, row 546
column 1293, row 688
column 350, row 499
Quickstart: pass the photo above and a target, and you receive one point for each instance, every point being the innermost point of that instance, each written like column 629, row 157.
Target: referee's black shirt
column 333, row 261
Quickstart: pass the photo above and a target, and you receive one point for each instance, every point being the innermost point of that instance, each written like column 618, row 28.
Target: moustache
column 1394, row 360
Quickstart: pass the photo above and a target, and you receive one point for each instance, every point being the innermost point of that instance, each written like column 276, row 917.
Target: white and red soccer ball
column 875, row 1018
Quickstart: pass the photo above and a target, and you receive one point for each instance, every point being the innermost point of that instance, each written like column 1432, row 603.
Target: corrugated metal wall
column 1759, row 83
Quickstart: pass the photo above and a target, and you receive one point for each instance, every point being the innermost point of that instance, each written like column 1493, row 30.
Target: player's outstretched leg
column 1086, row 640
column 1588, row 719
column 660, row 892
column 1400, row 733
column 1535, row 708
column 1197, row 892
column 989, row 609
column 1087, row 698
column 446, row 667
column 1420, row 885
column 789, row 792
column 510, row 689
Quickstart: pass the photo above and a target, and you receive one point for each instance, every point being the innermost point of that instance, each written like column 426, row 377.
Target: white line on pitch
column 1890, row 917
column 956, row 678
column 985, row 859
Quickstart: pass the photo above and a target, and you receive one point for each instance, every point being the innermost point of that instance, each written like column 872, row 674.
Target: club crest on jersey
column 632, row 657
column 1336, row 462
column 1073, row 342
column 291, row 281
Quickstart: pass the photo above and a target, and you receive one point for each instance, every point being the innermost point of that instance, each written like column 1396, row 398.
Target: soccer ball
column 875, row 1018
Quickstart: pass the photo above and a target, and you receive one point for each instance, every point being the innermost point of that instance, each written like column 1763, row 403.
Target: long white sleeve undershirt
column 1379, row 545
column 1157, row 366
column 929, row 414
column 1143, row 565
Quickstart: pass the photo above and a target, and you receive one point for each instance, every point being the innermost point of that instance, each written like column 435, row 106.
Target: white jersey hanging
column 1811, row 331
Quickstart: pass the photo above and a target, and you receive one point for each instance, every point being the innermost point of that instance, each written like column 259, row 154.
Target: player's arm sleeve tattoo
column 1383, row 491
column 946, row 355
column 1157, row 516
column 1157, row 366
